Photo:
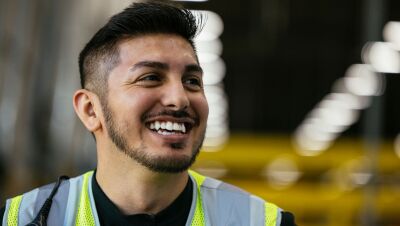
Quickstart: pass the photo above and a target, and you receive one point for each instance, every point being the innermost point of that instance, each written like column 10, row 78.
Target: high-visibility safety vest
column 215, row 203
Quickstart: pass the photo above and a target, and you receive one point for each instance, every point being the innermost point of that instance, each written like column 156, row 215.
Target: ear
column 85, row 105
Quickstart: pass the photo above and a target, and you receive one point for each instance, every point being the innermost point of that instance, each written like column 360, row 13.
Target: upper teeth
column 171, row 126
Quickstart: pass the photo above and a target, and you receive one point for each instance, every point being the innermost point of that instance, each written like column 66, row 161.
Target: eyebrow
column 152, row 64
column 164, row 66
column 193, row 68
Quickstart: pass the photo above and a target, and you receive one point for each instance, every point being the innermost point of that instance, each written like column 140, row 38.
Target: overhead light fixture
column 382, row 56
column 362, row 80
column 391, row 33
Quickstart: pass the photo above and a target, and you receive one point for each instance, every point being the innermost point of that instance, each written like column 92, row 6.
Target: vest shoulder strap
column 225, row 204
column 73, row 204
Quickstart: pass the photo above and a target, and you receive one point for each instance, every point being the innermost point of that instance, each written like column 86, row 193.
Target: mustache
column 175, row 114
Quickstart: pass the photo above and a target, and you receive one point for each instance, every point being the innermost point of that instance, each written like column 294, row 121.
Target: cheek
column 201, row 106
column 133, row 106
column 143, row 101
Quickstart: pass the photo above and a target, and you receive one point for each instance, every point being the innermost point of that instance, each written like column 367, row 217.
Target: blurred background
column 303, row 100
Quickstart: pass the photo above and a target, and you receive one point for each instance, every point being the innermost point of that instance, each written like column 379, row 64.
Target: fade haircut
column 101, row 53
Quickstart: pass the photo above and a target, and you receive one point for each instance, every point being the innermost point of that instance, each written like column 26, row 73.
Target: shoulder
column 209, row 183
column 39, row 201
column 272, row 211
column 231, row 198
column 221, row 187
column 38, row 195
column 286, row 218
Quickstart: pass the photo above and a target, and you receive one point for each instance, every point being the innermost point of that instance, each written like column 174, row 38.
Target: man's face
column 155, row 109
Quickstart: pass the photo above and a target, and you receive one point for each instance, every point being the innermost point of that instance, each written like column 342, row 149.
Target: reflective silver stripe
column 59, row 205
column 279, row 217
column 225, row 204
column 209, row 199
column 27, row 211
column 42, row 195
column 209, row 194
column 8, row 202
column 211, row 183
column 75, row 185
column 257, row 212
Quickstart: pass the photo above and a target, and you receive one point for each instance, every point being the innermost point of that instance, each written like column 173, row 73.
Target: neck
column 135, row 189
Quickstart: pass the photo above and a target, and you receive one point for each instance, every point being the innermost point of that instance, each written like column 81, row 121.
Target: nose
column 175, row 96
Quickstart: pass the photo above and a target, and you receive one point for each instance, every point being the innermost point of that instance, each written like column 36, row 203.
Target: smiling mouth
column 169, row 127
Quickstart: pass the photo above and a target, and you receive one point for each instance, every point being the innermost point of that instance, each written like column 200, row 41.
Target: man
column 142, row 97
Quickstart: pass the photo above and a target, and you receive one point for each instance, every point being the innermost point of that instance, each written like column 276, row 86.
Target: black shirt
column 175, row 214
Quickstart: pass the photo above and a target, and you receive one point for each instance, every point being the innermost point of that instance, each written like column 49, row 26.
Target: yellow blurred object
column 328, row 189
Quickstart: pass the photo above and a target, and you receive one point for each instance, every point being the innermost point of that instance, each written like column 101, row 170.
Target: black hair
column 101, row 54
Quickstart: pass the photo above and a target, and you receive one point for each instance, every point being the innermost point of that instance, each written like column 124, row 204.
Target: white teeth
column 164, row 132
column 176, row 126
column 168, row 127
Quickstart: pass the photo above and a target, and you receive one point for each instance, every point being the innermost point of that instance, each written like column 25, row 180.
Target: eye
column 149, row 79
column 193, row 82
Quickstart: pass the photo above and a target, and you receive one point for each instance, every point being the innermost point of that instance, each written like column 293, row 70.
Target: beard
column 159, row 164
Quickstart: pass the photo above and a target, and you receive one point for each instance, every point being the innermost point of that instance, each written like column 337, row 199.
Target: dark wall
column 283, row 56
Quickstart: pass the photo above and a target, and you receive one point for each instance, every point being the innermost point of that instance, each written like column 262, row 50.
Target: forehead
column 158, row 47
